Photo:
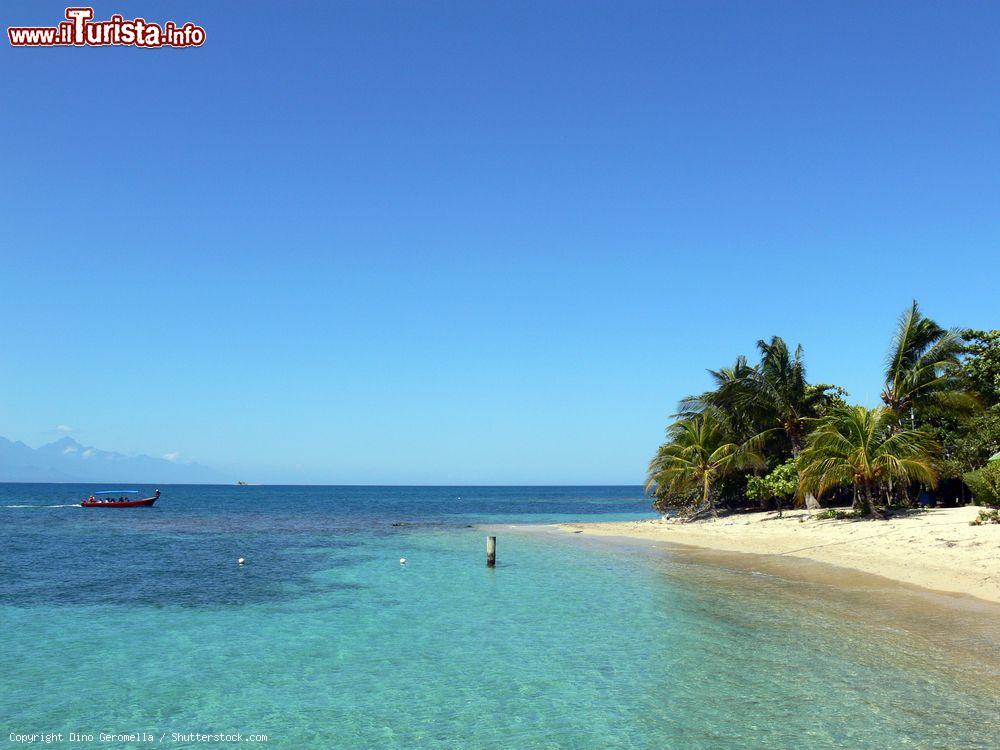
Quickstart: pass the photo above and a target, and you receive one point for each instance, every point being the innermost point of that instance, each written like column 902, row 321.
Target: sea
column 139, row 628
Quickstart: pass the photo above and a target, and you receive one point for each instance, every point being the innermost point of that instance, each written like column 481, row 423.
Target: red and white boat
column 119, row 499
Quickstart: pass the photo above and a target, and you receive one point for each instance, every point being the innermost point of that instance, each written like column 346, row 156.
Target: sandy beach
column 935, row 549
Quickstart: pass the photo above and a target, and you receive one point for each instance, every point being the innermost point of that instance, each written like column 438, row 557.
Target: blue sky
column 397, row 242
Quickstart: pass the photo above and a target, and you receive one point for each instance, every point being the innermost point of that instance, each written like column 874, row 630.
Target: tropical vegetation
column 764, row 436
column 867, row 450
column 777, row 486
column 701, row 451
column 984, row 484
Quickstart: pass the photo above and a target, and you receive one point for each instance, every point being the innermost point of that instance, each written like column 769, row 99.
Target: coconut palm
column 727, row 401
column 922, row 367
column 699, row 453
column 779, row 384
column 866, row 449
column 773, row 395
column 772, row 399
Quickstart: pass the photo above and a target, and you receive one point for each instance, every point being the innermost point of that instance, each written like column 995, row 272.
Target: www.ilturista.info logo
column 80, row 30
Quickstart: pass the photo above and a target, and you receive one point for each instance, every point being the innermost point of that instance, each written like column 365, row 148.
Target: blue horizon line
column 429, row 486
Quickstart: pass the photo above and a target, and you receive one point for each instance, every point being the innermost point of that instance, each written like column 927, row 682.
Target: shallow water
column 141, row 621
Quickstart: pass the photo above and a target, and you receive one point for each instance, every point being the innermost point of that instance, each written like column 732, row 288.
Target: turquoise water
column 140, row 621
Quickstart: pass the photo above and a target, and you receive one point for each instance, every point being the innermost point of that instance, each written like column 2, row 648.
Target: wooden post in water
column 491, row 552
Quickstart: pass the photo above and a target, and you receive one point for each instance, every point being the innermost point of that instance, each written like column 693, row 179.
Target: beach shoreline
column 936, row 549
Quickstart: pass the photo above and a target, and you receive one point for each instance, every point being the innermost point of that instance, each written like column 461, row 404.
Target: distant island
column 66, row 460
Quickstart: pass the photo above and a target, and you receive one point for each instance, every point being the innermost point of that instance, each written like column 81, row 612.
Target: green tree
column 699, row 453
column 968, row 435
column 866, row 449
column 772, row 397
column 985, row 483
column 779, row 385
column 744, row 419
column 980, row 369
column 922, row 368
column 778, row 485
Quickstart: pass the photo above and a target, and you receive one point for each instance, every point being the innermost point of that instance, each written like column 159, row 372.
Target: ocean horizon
column 140, row 623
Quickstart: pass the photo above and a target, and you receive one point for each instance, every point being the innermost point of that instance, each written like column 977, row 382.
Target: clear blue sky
column 441, row 242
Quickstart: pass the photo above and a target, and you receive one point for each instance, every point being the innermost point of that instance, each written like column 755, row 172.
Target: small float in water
column 119, row 499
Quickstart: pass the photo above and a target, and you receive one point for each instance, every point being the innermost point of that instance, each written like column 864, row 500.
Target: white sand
column 936, row 549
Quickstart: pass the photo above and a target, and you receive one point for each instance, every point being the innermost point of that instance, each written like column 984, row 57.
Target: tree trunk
column 856, row 505
column 810, row 500
column 870, row 509
column 696, row 515
column 866, row 500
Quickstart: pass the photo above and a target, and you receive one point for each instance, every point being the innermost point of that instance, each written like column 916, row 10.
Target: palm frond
column 865, row 447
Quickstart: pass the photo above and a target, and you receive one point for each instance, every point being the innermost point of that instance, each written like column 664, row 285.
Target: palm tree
column 866, row 448
column 699, row 453
column 780, row 384
column 769, row 399
column 921, row 367
column 773, row 395
column 727, row 401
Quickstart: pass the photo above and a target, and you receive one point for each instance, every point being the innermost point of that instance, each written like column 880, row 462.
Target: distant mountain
column 66, row 460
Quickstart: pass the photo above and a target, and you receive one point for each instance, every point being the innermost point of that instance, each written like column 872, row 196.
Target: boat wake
column 66, row 505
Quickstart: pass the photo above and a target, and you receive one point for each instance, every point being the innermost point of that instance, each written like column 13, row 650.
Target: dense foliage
column 700, row 452
column 777, row 486
column 764, row 436
column 985, row 484
column 981, row 369
column 868, row 450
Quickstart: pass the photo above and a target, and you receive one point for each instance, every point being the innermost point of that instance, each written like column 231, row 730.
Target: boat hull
column 144, row 503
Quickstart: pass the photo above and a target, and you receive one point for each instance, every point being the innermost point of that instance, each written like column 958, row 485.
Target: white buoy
column 240, row 561
column 402, row 561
